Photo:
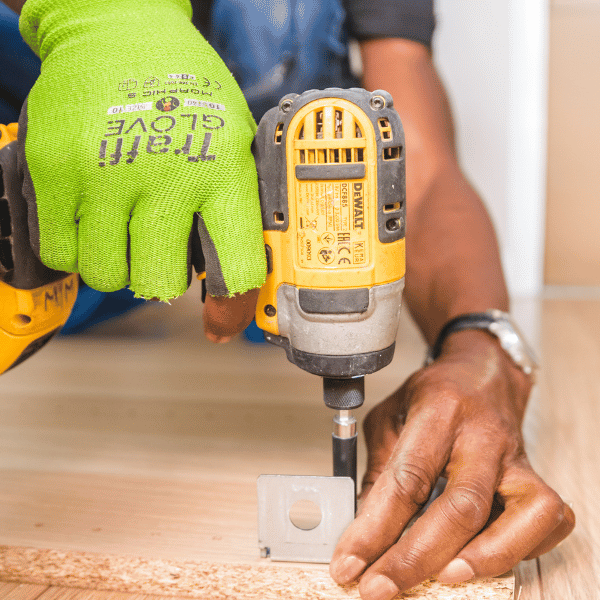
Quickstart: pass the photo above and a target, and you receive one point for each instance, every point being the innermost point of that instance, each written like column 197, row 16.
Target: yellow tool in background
column 332, row 190
column 35, row 301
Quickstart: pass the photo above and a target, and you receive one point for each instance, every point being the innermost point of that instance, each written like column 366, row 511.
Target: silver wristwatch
column 500, row 325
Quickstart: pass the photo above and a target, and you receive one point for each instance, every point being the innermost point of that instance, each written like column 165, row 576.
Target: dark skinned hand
column 225, row 317
column 459, row 418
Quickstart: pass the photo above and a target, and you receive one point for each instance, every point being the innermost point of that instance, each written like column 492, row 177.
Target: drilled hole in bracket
column 305, row 514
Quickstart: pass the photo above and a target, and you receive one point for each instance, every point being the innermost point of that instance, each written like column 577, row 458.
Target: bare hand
column 459, row 418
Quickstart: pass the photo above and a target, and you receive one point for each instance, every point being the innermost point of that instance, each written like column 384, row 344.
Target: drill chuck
column 344, row 394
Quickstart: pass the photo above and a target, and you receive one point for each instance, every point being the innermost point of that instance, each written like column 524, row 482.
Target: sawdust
column 204, row 580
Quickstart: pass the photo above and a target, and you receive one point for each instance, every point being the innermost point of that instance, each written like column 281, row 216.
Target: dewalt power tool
column 332, row 186
column 35, row 301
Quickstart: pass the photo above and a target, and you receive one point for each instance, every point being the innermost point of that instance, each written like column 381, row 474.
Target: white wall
column 492, row 56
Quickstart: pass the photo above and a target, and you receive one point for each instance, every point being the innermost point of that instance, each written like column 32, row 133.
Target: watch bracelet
column 477, row 320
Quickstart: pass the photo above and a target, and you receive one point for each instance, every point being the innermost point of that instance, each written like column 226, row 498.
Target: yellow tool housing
column 332, row 181
column 35, row 302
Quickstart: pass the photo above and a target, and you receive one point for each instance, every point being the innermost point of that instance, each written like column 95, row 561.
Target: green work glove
column 134, row 125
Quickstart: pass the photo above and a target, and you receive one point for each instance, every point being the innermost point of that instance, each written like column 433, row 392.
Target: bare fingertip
column 346, row 569
column 378, row 587
column 217, row 339
column 456, row 571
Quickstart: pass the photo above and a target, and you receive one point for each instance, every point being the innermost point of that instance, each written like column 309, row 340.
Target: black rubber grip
column 19, row 265
column 344, row 458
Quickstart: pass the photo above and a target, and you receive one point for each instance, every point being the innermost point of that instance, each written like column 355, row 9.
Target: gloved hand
column 134, row 125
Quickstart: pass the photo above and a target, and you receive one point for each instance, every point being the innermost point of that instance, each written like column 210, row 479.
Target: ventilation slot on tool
column 339, row 134
column 327, row 146
column 319, row 125
column 385, row 129
column 6, row 257
column 388, row 208
column 392, row 153
column 279, row 133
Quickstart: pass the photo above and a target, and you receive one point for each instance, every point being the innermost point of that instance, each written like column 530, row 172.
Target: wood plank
column 62, row 593
column 528, row 585
column 566, row 451
column 217, row 581
column 142, row 440
column 151, row 444
column 21, row 591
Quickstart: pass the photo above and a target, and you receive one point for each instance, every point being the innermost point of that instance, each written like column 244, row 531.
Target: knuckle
column 410, row 563
column 413, row 561
column 504, row 558
column 413, row 483
column 468, row 508
column 550, row 506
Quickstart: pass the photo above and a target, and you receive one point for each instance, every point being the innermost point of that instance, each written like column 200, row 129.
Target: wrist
column 500, row 325
column 482, row 349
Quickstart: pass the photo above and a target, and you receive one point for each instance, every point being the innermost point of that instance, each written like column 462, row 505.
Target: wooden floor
column 140, row 440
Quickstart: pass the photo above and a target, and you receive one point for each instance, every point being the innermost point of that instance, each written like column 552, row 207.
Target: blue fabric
column 276, row 47
column 254, row 334
column 93, row 307
column 20, row 67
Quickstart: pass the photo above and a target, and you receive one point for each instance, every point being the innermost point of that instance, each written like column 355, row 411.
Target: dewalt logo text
column 359, row 206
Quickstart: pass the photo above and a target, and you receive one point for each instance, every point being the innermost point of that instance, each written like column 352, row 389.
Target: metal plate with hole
column 301, row 518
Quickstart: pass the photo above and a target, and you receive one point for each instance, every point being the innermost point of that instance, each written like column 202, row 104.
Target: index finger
column 225, row 317
column 445, row 528
column 399, row 493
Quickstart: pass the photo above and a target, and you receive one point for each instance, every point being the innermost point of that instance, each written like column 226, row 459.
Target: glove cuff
column 46, row 23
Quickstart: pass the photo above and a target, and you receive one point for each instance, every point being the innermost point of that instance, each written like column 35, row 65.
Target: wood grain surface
column 141, row 441
column 564, row 444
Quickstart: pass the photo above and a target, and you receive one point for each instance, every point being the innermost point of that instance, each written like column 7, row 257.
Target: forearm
column 16, row 5
column 453, row 262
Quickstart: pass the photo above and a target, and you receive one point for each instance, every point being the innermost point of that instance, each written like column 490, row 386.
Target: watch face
column 513, row 341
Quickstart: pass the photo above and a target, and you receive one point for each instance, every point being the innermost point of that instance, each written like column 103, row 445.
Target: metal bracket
column 280, row 539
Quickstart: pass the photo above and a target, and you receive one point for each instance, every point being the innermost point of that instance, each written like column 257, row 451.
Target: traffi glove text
column 134, row 125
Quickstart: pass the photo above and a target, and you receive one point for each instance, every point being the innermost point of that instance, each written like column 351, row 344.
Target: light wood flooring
column 129, row 457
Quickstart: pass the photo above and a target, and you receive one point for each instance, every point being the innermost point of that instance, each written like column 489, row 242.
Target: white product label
column 203, row 104
column 129, row 108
